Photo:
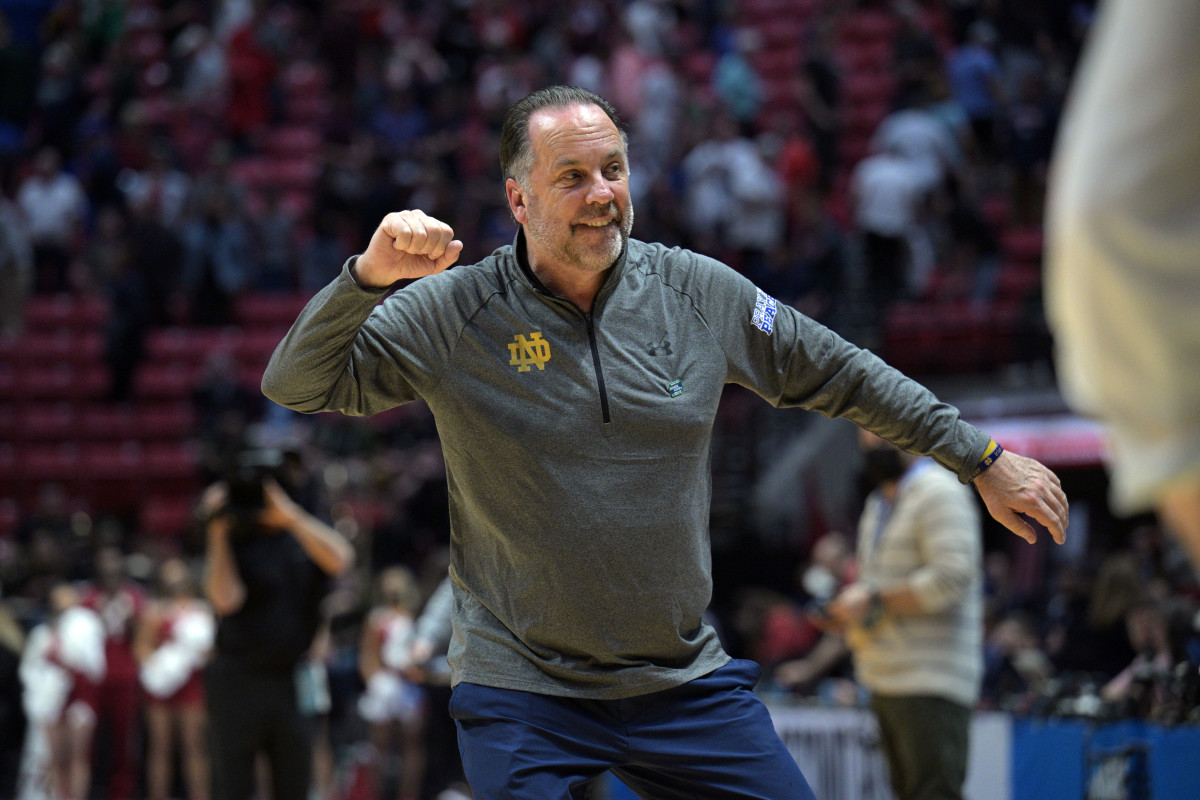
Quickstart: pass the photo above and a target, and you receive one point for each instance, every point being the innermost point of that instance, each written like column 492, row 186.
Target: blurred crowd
column 171, row 156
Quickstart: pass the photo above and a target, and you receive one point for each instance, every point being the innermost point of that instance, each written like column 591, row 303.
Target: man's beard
column 565, row 250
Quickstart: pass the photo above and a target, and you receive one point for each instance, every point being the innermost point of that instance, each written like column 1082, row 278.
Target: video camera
column 247, row 498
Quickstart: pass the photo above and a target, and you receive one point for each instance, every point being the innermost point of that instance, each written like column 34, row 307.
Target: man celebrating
column 575, row 378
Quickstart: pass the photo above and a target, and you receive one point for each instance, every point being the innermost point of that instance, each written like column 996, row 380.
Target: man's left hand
column 1017, row 485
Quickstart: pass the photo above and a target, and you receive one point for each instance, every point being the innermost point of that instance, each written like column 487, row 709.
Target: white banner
column 838, row 751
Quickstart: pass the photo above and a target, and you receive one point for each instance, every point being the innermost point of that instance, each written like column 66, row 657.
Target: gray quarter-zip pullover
column 577, row 446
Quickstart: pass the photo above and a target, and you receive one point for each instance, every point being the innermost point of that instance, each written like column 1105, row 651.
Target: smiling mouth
column 599, row 223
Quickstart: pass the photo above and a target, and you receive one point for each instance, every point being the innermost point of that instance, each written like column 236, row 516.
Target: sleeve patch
column 764, row 312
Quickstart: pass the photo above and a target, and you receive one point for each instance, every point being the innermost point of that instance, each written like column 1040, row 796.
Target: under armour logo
column 529, row 352
column 659, row 348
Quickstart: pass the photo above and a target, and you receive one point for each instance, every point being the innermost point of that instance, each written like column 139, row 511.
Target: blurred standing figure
column 120, row 603
column 62, row 665
column 16, row 267
column 267, row 572
column 914, row 618
column 174, row 640
column 55, row 208
column 1123, row 254
column 394, row 706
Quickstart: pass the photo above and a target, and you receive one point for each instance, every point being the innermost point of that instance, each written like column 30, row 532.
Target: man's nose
column 599, row 191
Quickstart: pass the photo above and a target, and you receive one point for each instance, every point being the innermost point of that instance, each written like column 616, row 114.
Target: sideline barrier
column 1010, row 759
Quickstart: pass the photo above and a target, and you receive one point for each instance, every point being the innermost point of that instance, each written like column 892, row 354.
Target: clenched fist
column 407, row 244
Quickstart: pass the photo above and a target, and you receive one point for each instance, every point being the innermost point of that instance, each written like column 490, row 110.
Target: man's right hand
column 407, row 244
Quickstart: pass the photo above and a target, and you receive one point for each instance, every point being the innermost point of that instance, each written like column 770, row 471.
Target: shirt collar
column 521, row 255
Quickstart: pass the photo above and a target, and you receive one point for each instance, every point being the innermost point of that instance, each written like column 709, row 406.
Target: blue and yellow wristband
column 993, row 452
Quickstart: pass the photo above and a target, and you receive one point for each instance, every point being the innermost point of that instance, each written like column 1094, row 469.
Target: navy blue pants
column 709, row 738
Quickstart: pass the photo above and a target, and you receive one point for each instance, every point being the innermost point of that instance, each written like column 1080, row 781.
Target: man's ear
column 516, row 200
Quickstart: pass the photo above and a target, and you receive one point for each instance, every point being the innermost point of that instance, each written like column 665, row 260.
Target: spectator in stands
column 128, row 318
column 889, row 192
column 251, row 72
column 816, row 89
column 977, row 82
column 218, row 258
column 59, row 95
column 1016, row 669
column 160, row 188
column 1030, row 124
column 152, row 244
column 16, row 264
column 53, row 551
column 735, row 81
column 734, row 193
column 1087, row 626
column 1141, row 688
column 969, row 254
column 18, row 81
column 55, row 210
column 276, row 247
column 773, row 628
column 174, row 640
column 120, row 603
column 916, row 56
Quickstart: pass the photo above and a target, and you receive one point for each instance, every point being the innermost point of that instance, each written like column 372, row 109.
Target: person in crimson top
column 575, row 378
column 268, row 569
column 119, row 602
column 173, row 644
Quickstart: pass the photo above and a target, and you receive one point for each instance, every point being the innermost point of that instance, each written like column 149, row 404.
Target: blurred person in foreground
column 1123, row 254
column 268, row 568
column 914, row 618
column 575, row 378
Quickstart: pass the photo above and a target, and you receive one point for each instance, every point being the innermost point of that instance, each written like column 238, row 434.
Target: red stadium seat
column 60, row 311
column 165, row 381
column 47, row 422
column 167, row 517
column 60, row 345
column 266, row 309
column 61, row 382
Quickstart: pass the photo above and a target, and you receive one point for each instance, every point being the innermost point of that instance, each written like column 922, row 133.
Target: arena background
column 179, row 177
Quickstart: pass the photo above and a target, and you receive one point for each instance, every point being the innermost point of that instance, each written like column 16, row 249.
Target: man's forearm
column 308, row 371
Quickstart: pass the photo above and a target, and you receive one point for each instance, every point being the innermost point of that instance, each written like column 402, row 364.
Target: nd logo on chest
column 525, row 353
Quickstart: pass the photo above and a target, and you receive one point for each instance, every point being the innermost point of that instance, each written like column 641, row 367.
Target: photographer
column 268, row 567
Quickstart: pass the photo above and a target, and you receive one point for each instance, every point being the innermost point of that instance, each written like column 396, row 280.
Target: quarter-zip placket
column 591, row 331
